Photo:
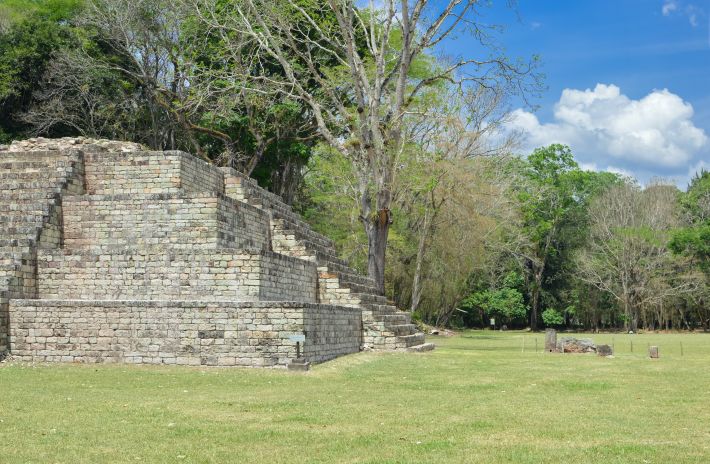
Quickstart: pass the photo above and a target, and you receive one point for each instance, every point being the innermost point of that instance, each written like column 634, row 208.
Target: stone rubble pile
column 70, row 143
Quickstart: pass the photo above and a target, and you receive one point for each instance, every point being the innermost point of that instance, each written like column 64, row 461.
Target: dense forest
column 401, row 156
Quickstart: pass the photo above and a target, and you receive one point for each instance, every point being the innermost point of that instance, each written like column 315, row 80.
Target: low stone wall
column 179, row 332
column 156, row 274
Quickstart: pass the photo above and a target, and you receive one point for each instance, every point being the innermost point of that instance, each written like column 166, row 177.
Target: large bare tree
column 627, row 254
column 361, row 72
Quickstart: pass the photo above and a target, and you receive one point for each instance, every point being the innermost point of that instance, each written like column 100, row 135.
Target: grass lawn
column 477, row 398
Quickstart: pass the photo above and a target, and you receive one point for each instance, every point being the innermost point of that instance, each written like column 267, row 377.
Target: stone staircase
column 384, row 326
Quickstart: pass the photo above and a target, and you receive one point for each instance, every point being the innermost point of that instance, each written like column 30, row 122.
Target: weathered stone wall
column 176, row 220
column 31, row 184
column 155, row 274
column 331, row 331
column 150, row 172
column 194, row 333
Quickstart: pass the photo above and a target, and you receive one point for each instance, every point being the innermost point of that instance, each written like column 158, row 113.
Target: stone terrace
column 109, row 252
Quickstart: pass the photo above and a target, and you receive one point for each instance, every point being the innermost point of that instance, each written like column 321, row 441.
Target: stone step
column 357, row 283
column 357, row 288
column 302, row 229
column 380, row 309
column 402, row 329
column 421, row 348
column 394, row 319
column 368, row 298
column 407, row 341
column 338, row 263
column 289, row 239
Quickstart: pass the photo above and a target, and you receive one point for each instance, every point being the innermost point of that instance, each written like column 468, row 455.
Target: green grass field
column 478, row 398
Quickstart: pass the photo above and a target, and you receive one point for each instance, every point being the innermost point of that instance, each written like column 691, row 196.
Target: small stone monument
column 550, row 340
column 604, row 350
column 299, row 363
column 653, row 352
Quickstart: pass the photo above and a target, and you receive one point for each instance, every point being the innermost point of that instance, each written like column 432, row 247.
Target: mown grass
column 477, row 398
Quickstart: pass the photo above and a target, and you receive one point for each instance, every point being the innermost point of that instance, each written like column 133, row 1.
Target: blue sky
column 628, row 81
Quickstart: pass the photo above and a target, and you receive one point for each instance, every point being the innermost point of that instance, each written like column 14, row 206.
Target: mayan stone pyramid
column 110, row 252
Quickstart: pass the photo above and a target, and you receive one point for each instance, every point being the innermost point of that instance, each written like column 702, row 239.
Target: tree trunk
column 533, row 308
column 377, row 226
column 416, row 281
column 377, row 229
column 535, row 296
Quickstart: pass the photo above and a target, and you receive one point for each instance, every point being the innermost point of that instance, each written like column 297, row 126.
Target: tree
column 361, row 106
column 547, row 203
column 694, row 240
column 28, row 42
column 627, row 254
column 505, row 303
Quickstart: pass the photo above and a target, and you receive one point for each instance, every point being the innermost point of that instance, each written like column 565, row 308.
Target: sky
column 627, row 81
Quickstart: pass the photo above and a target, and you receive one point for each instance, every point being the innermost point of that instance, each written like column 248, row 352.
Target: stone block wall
column 331, row 331
column 150, row 172
column 155, row 274
column 31, row 185
column 176, row 220
column 179, row 332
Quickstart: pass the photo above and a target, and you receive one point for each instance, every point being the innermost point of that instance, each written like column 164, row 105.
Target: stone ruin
column 574, row 345
column 113, row 253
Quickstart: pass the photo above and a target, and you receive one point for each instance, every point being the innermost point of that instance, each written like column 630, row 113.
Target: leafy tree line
column 593, row 250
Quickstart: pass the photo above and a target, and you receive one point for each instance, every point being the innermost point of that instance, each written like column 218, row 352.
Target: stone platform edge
column 211, row 333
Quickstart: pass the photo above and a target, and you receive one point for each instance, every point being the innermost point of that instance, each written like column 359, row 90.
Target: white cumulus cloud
column 605, row 127
column 669, row 7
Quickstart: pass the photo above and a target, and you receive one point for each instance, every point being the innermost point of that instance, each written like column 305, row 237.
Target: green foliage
column 694, row 241
column 506, row 303
column 552, row 318
column 16, row 11
column 26, row 49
